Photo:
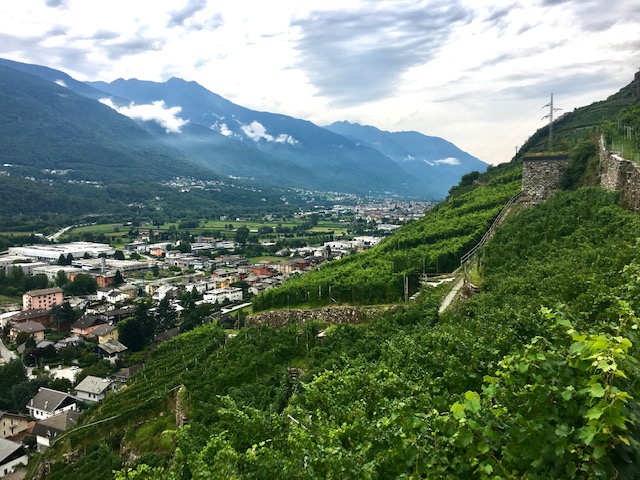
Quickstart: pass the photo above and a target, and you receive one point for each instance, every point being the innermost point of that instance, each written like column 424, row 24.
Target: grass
column 6, row 300
column 626, row 148
column 218, row 228
column 266, row 258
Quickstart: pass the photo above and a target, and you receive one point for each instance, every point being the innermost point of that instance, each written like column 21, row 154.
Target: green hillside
column 434, row 243
column 544, row 356
column 572, row 127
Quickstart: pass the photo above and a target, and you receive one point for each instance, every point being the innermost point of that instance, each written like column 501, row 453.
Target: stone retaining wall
column 541, row 177
column 331, row 315
column 620, row 175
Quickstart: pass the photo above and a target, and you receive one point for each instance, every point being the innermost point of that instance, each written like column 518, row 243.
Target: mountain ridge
column 279, row 150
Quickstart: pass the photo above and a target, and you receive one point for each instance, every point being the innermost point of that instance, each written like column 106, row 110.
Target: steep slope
column 571, row 127
column 332, row 161
column 487, row 381
column 83, row 157
column 431, row 244
column 55, row 76
column 48, row 127
column 430, row 158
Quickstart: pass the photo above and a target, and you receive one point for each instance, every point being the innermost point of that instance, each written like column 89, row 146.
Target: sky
column 477, row 73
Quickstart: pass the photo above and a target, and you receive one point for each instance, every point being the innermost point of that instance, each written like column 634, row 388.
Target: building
column 220, row 295
column 48, row 402
column 12, row 454
column 51, row 253
column 94, row 389
column 28, row 267
column 105, row 332
column 47, row 430
column 542, row 175
column 111, row 350
column 8, row 316
column 44, row 299
column 42, row 316
column 85, row 326
column 12, row 424
column 33, row 329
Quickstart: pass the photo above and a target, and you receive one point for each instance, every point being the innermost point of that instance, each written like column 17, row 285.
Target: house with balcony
column 11, row 424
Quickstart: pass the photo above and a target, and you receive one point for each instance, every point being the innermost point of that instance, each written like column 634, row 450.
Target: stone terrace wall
column 620, row 175
column 331, row 315
column 541, row 177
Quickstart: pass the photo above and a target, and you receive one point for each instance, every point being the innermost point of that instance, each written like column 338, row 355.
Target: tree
column 62, row 260
column 61, row 278
column 118, row 255
column 242, row 233
column 83, row 284
column 63, row 315
column 166, row 316
column 146, row 320
column 11, row 374
column 69, row 259
column 131, row 334
column 117, row 279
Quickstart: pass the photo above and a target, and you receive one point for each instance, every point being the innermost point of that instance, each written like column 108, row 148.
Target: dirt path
column 451, row 295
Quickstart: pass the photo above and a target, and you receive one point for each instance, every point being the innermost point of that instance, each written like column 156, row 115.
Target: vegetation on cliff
column 545, row 355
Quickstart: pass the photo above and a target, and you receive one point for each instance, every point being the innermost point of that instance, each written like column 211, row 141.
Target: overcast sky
column 474, row 72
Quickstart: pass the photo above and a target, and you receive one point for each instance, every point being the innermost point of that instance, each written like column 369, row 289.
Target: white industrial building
column 51, row 253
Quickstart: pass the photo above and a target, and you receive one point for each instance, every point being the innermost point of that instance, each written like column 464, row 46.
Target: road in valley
column 6, row 354
column 59, row 233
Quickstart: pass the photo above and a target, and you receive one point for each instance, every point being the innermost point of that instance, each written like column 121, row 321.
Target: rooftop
column 94, row 385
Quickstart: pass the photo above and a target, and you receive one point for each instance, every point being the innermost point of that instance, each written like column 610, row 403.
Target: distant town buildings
column 51, row 253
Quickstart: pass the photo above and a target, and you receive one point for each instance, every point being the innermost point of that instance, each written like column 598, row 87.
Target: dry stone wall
column 620, row 175
column 542, row 177
column 331, row 315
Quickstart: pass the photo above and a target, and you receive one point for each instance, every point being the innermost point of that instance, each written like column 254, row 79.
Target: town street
column 6, row 354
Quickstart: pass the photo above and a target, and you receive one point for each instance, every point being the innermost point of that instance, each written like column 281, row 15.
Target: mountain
column 273, row 149
column 327, row 161
column 83, row 157
column 425, row 157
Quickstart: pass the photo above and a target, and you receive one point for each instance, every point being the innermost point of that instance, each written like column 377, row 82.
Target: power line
column 550, row 117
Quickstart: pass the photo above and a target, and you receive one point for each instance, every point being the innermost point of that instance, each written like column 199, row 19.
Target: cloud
column 358, row 55
column 104, row 35
column 56, row 3
column 132, row 46
column 447, row 161
column 256, row 132
column 61, row 83
column 223, row 129
column 179, row 17
column 166, row 117
column 598, row 15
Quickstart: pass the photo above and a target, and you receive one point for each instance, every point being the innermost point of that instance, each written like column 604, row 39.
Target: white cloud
column 166, row 117
column 222, row 128
column 61, row 83
column 447, row 161
column 256, row 132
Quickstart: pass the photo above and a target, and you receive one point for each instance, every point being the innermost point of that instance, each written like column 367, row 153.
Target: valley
column 154, row 296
